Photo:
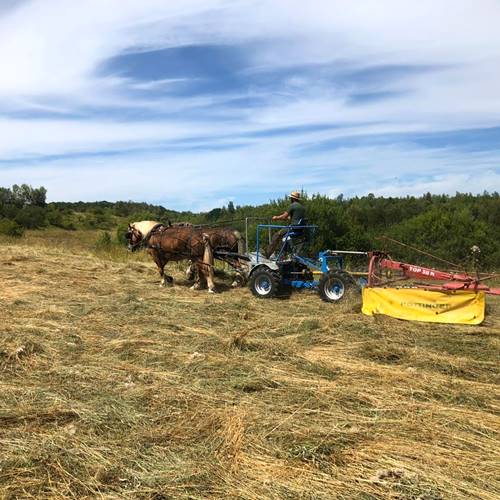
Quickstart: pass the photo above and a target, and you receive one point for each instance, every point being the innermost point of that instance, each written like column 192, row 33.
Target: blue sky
column 191, row 104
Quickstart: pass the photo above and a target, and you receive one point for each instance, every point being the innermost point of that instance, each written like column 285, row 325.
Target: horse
column 174, row 243
column 224, row 242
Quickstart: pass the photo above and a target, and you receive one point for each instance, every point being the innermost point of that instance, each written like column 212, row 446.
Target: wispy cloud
column 248, row 99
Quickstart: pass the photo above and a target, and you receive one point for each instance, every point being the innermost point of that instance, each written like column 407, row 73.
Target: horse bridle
column 144, row 241
column 130, row 234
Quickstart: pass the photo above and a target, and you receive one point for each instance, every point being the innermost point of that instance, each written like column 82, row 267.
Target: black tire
column 334, row 286
column 265, row 283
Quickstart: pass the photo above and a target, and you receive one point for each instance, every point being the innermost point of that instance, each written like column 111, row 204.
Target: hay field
column 111, row 387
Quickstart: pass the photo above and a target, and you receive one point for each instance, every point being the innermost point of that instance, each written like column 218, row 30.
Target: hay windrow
column 112, row 387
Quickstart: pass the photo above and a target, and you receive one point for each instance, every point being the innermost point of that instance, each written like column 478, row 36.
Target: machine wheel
column 265, row 283
column 334, row 286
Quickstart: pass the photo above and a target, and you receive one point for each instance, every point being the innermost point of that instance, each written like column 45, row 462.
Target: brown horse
column 224, row 242
column 174, row 243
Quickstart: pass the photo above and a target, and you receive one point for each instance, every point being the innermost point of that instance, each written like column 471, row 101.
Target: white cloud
column 200, row 180
column 51, row 54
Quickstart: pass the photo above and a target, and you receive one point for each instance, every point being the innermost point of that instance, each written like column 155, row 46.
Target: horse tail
column 208, row 261
column 208, row 255
column 240, row 241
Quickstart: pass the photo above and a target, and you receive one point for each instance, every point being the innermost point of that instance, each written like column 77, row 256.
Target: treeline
column 447, row 226
column 24, row 207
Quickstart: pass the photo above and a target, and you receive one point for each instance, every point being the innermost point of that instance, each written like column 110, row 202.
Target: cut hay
column 113, row 388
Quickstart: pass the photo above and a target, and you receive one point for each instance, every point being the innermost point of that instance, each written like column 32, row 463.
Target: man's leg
column 276, row 240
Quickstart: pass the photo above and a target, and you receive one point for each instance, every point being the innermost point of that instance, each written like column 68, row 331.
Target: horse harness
column 158, row 229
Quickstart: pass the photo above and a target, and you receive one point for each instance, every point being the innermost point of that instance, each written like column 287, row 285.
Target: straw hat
column 295, row 195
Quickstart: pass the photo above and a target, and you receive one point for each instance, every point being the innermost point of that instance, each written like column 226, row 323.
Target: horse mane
column 144, row 227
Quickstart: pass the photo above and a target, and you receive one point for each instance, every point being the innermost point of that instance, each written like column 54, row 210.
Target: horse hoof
column 211, row 290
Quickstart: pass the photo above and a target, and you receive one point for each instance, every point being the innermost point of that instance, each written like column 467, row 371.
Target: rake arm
column 452, row 281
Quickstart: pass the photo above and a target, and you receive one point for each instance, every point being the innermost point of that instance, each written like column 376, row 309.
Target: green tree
column 31, row 217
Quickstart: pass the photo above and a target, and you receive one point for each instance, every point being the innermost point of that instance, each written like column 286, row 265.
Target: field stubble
column 112, row 387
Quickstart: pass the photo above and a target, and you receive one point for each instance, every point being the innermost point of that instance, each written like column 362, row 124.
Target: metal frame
column 270, row 227
column 321, row 265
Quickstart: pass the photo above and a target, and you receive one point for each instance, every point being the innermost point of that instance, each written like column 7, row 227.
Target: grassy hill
column 112, row 387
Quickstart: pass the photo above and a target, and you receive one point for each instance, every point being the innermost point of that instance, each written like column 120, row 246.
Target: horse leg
column 166, row 277
column 191, row 271
column 239, row 279
column 193, row 274
column 160, row 262
column 200, row 280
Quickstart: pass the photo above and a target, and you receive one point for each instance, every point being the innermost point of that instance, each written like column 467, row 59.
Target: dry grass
column 113, row 388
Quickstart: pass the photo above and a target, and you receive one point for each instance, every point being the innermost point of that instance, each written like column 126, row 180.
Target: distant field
column 112, row 387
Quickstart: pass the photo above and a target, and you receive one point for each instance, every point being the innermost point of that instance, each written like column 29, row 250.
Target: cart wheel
column 265, row 283
column 334, row 286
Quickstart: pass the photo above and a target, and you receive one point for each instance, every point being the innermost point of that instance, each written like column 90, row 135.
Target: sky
column 195, row 103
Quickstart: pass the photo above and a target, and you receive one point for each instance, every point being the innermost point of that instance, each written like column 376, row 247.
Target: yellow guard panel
column 462, row 307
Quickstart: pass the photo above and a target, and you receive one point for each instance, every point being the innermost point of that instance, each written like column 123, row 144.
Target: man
column 295, row 213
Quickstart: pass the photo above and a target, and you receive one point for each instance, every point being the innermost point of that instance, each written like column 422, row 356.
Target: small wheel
column 264, row 283
column 335, row 285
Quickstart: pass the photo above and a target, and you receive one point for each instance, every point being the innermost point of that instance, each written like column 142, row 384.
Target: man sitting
column 296, row 214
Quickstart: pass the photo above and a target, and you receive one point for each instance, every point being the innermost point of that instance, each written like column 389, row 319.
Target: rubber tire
column 272, row 278
column 344, row 277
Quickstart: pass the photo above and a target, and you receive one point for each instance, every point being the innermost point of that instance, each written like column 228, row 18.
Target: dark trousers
column 275, row 241
column 297, row 240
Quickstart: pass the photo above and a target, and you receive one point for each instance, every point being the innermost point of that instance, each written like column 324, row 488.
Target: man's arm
column 283, row 216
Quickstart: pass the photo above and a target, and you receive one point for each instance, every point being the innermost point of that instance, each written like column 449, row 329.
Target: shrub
column 104, row 242
column 11, row 228
column 55, row 218
column 69, row 225
column 31, row 217
column 121, row 232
